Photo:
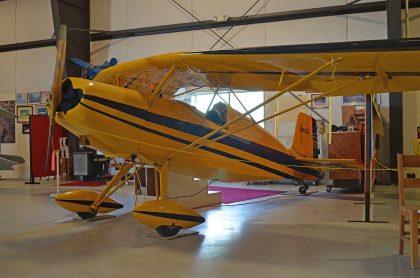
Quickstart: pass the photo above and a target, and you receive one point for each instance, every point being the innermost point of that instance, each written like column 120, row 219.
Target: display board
column 39, row 143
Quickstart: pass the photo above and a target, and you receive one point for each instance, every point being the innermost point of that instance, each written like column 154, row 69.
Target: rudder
column 305, row 143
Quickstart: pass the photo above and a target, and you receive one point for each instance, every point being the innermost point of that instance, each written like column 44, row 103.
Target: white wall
column 26, row 70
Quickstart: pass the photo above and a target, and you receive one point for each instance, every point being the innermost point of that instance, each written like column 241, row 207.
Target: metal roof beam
column 232, row 21
column 247, row 20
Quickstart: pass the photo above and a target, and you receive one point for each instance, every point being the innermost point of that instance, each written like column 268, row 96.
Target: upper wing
column 392, row 66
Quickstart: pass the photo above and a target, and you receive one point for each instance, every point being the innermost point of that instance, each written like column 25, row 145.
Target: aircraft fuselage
column 120, row 122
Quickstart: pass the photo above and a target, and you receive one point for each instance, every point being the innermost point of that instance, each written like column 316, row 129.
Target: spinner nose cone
column 70, row 97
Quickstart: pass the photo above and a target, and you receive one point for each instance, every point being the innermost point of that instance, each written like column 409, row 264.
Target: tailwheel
column 167, row 231
column 302, row 189
column 86, row 214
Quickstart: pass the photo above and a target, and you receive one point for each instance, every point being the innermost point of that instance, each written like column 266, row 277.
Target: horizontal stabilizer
column 8, row 161
column 332, row 164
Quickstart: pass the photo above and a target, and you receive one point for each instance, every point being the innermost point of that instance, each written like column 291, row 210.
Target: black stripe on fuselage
column 225, row 154
column 200, row 131
column 176, row 216
column 88, row 203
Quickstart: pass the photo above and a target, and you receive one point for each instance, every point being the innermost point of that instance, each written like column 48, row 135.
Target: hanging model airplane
column 130, row 110
column 89, row 71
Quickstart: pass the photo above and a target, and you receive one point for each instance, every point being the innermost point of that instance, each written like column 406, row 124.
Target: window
column 203, row 100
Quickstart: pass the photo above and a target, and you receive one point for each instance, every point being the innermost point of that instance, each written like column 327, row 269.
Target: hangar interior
column 342, row 226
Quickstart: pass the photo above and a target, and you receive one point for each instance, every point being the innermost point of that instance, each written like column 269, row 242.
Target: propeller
column 55, row 95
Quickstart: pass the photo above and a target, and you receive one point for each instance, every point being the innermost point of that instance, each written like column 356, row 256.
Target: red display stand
column 38, row 145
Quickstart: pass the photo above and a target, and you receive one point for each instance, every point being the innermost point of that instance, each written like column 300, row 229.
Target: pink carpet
column 232, row 195
column 84, row 183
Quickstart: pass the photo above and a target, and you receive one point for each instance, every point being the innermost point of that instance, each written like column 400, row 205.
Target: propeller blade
column 59, row 69
column 55, row 96
column 50, row 138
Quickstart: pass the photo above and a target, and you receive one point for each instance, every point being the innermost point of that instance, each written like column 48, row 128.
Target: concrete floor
column 295, row 236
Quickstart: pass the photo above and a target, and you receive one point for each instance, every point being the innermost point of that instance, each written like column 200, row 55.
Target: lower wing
column 332, row 164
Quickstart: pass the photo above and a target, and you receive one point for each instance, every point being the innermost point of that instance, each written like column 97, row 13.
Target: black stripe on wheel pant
column 176, row 216
column 88, row 203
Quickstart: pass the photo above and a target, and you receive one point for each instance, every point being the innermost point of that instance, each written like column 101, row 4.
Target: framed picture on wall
column 354, row 100
column 319, row 103
column 44, row 96
column 26, row 128
column 41, row 110
column 7, row 126
column 21, row 99
column 23, row 113
column 34, row 97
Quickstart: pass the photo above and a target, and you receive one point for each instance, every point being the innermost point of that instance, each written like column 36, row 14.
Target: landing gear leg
column 166, row 216
column 115, row 181
column 163, row 180
column 303, row 187
column 165, row 230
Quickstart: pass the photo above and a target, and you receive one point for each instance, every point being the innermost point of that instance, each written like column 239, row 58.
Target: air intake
column 70, row 96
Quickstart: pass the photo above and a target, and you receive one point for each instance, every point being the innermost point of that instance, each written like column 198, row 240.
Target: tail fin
column 305, row 141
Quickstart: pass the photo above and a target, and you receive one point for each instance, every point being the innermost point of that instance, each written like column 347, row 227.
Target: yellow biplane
column 130, row 110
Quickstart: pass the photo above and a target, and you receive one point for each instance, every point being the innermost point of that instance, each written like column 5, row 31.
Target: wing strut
column 181, row 94
column 291, row 108
column 151, row 81
column 162, row 84
column 240, row 102
column 310, row 108
column 204, row 81
column 285, row 90
column 215, row 93
column 115, row 181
